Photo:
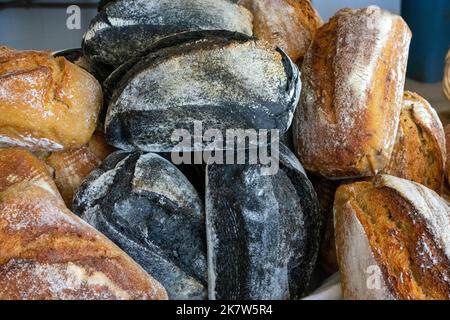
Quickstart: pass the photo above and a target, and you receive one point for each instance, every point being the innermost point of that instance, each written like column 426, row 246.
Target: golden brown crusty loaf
column 71, row 167
column 49, row 253
column 46, row 252
column 46, row 103
column 392, row 240
column 419, row 153
column 352, row 77
column 325, row 190
column 446, row 80
column 288, row 24
column 19, row 165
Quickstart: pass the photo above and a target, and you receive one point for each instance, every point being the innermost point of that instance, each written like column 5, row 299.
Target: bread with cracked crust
column 47, row 253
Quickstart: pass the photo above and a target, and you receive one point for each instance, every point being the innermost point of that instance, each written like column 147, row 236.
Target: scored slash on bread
column 46, row 252
column 399, row 227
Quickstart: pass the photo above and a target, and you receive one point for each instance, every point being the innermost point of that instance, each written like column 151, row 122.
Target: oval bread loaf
column 392, row 240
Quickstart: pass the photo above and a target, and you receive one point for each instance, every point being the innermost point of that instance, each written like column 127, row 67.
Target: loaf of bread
column 124, row 29
column 46, row 103
column 446, row 80
column 149, row 209
column 325, row 190
column 352, row 84
column 419, row 152
column 19, row 165
column 71, row 167
column 263, row 231
column 288, row 24
column 392, row 240
column 220, row 79
column 49, row 253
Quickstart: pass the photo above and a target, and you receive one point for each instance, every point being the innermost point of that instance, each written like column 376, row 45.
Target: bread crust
column 46, row 103
column 419, row 153
column 49, row 253
column 404, row 227
column 71, row 167
column 352, row 77
column 19, row 165
column 446, row 80
column 288, row 24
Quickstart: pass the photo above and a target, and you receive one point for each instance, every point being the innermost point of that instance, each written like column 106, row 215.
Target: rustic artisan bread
column 49, row 253
column 46, row 103
column 419, row 152
column 288, row 24
column 446, row 80
column 392, row 240
column 263, row 230
column 70, row 167
column 148, row 208
column 123, row 29
column 217, row 80
column 325, row 190
column 352, row 85
column 19, row 165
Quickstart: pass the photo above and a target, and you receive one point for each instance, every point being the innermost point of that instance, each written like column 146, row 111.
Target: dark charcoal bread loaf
column 123, row 29
column 148, row 208
column 222, row 80
column 263, row 231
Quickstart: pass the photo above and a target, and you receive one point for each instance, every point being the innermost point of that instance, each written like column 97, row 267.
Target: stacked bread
column 375, row 155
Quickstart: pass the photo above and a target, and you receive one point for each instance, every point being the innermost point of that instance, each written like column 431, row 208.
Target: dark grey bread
column 149, row 209
column 263, row 231
column 225, row 81
column 123, row 29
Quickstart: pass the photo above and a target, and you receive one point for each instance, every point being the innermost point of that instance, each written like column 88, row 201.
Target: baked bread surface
column 419, row 153
column 396, row 230
column 46, row 252
column 288, row 24
column 352, row 77
column 46, row 103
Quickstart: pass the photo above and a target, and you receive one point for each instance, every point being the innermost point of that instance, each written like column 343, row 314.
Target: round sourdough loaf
column 352, row 84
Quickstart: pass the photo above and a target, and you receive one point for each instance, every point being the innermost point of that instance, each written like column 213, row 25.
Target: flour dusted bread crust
column 392, row 240
column 352, row 77
column 288, row 24
column 71, row 167
column 419, row 153
column 49, row 253
column 46, row 103
column 446, row 80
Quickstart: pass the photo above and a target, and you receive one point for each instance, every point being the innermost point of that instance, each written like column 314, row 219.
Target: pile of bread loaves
column 92, row 206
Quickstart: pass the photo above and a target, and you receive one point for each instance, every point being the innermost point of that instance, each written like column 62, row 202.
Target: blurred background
column 42, row 24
